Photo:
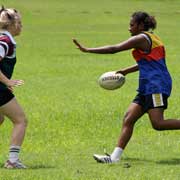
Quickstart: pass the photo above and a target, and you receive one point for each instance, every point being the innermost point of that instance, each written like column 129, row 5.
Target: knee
column 21, row 121
column 25, row 122
column 157, row 126
column 127, row 120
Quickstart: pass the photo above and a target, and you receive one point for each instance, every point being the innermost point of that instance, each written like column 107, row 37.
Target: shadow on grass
column 173, row 161
column 41, row 167
column 38, row 166
column 137, row 160
column 1, row 165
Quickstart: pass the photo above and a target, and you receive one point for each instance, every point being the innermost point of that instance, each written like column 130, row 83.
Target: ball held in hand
column 111, row 80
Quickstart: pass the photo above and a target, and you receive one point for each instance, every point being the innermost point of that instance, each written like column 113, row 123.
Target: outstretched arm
column 137, row 41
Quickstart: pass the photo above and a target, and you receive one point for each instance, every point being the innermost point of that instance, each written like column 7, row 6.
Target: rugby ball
column 111, row 80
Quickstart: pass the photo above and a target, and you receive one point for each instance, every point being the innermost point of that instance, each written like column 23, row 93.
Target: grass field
column 70, row 116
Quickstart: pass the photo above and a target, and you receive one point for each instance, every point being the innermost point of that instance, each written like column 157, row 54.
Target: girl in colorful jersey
column 10, row 26
column 154, row 80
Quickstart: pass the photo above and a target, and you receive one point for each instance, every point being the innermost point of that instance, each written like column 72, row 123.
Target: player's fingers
column 75, row 41
column 11, row 89
column 19, row 82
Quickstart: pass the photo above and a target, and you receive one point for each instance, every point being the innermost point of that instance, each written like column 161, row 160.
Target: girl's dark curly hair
column 148, row 21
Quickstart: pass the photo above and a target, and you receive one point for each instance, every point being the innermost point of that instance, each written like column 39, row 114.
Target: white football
column 111, row 80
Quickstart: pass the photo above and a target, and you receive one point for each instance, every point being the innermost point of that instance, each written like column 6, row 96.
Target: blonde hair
column 8, row 17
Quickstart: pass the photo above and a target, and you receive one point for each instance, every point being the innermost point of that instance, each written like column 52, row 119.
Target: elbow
column 113, row 50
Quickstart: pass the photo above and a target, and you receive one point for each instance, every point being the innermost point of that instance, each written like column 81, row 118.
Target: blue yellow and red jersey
column 153, row 73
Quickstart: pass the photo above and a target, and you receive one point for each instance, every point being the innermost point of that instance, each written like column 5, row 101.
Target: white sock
column 116, row 154
column 14, row 153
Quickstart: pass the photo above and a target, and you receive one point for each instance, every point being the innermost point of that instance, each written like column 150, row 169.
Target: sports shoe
column 104, row 158
column 16, row 165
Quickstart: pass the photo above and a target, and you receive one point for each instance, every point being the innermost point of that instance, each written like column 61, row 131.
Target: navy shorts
column 5, row 96
column 151, row 101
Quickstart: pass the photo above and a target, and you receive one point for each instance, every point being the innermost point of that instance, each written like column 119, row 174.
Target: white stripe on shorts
column 157, row 100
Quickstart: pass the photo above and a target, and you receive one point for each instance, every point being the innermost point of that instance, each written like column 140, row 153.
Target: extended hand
column 14, row 83
column 82, row 48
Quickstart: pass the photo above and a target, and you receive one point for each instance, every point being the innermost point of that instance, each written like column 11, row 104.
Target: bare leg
column 15, row 113
column 158, row 122
column 133, row 113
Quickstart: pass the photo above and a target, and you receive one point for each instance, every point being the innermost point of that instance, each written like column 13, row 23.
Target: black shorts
column 5, row 96
column 151, row 101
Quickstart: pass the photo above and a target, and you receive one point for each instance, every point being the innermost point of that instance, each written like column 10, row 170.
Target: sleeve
column 3, row 49
column 2, row 52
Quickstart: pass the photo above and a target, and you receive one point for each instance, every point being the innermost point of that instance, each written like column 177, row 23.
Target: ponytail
column 148, row 21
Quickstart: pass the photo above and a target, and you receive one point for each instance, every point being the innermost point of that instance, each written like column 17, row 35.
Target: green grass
column 70, row 116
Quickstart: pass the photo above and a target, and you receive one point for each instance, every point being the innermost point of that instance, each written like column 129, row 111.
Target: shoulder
column 142, row 42
column 7, row 44
column 138, row 41
column 138, row 38
column 155, row 39
column 5, row 39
